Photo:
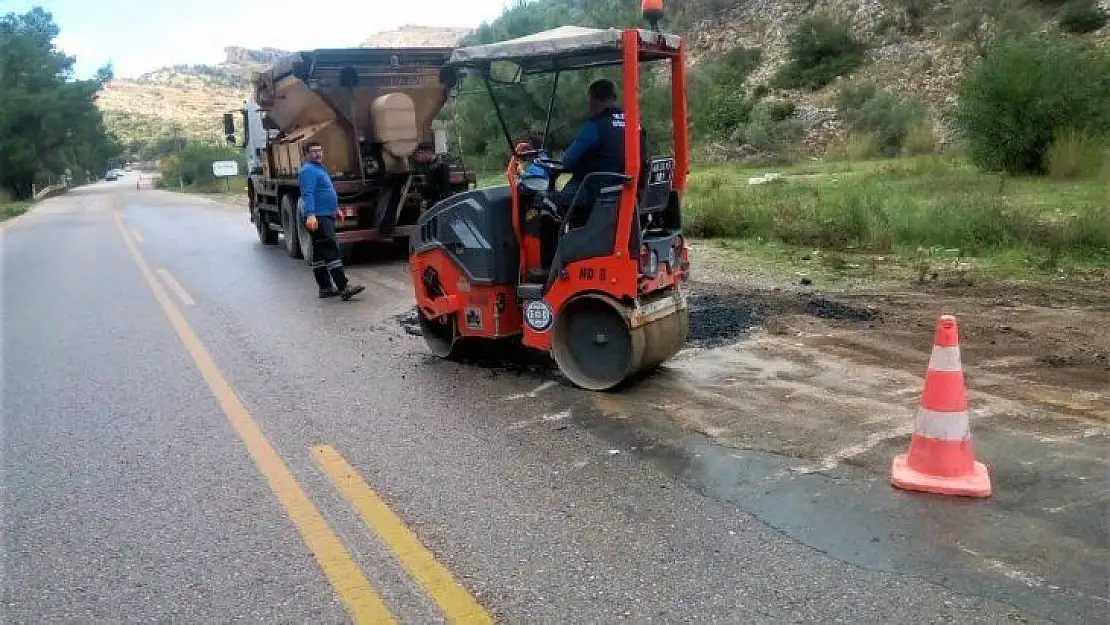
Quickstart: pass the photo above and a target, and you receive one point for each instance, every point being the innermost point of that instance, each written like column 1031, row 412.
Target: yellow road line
column 364, row 604
column 176, row 287
column 137, row 235
column 453, row 599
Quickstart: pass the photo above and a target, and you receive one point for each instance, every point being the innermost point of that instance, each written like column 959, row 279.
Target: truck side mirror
column 229, row 124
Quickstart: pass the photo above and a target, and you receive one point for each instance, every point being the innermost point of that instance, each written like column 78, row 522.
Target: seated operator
column 598, row 147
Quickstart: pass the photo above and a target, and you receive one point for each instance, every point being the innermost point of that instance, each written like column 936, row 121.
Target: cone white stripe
column 945, row 359
column 945, row 426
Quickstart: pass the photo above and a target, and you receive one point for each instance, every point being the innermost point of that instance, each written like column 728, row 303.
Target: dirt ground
column 830, row 381
column 1036, row 360
column 1041, row 342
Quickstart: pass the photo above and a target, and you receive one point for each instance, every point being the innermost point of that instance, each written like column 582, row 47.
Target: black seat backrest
column 656, row 191
column 658, row 211
column 596, row 237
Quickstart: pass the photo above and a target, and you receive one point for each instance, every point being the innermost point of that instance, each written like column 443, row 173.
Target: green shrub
column 1023, row 93
column 718, row 113
column 904, row 205
column 192, row 166
column 915, row 11
column 772, row 128
column 722, row 104
column 919, row 141
column 736, row 65
column 1081, row 18
column 853, row 147
column 1074, row 155
column 821, row 49
column 780, row 110
column 876, row 112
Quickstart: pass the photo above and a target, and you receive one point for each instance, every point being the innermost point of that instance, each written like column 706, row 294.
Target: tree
column 49, row 121
column 984, row 21
column 192, row 166
column 1025, row 93
column 821, row 49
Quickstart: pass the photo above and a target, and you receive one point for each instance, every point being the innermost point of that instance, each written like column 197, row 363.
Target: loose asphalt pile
column 721, row 317
column 717, row 318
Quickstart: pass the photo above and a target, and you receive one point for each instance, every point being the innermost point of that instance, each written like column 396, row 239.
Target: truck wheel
column 288, row 227
column 266, row 235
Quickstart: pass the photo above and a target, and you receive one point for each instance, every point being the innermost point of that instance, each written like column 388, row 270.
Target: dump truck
column 374, row 110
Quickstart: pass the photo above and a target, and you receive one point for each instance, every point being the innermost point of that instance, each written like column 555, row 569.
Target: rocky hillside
column 416, row 37
column 187, row 101
column 914, row 48
column 180, row 102
column 917, row 47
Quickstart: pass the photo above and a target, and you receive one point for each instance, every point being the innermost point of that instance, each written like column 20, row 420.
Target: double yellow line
column 362, row 601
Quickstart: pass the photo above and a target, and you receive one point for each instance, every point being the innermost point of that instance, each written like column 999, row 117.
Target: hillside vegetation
column 777, row 80
column 158, row 112
column 991, row 116
column 978, row 92
column 50, row 128
column 162, row 110
column 918, row 47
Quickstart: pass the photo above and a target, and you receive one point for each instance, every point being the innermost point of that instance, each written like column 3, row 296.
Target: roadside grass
column 230, row 186
column 925, row 219
column 491, row 179
column 13, row 209
column 927, row 215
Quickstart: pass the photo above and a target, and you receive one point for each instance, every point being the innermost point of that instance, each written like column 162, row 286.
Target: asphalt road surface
column 190, row 435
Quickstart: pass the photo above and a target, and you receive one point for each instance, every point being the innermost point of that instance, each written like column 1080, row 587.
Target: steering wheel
column 551, row 165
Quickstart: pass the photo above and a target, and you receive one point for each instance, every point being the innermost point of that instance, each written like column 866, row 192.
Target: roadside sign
column 225, row 168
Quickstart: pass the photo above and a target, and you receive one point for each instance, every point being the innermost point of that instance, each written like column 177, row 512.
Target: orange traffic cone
column 941, row 459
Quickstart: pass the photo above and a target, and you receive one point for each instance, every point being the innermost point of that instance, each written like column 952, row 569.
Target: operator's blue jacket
column 599, row 145
column 317, row 191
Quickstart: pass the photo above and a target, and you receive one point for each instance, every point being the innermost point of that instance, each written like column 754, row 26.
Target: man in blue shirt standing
column 320, row 205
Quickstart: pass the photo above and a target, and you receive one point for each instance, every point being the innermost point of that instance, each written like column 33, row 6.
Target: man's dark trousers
column 327, row 264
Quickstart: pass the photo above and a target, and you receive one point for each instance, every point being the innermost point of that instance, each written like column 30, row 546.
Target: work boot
column 326, row 293
column 350, row 291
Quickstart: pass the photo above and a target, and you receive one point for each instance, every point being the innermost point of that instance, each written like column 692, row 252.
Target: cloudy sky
column 140, row 35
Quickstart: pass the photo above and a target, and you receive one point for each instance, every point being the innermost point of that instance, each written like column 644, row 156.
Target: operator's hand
column 341, row 217
column 311, row 224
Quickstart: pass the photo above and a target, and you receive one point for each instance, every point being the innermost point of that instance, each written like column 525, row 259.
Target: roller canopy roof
column 565, row 48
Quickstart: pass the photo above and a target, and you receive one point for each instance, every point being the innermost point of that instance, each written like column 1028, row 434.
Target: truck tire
column 289, row 226
column 266, row 235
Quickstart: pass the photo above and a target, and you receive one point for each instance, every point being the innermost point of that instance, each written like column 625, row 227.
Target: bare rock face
column 245, row 56
column 417, row 37
column 822, row 124
column 767, row 24
column 242, row 61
